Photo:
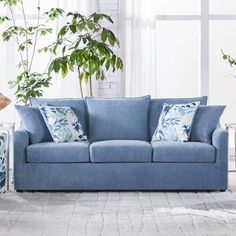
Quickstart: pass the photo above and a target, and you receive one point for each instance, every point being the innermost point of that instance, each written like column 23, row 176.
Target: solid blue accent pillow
column 157, row 104
column 120, row 118
column 205, row 122
column 33, row 122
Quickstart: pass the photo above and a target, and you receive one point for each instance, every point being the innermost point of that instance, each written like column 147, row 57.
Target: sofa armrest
column 21, row 141
column 220, row 142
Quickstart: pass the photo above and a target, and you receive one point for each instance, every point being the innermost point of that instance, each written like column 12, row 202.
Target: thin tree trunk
column 80, row 83
column 81, row 88
column 36, row 36
column 17, row 38
column 90, row 87
column 26, row 36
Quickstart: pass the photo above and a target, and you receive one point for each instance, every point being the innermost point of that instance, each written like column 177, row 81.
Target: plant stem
column 90, row 86
column 80, row 83
column 17, row 37
column 26, row 36
column 36, row 36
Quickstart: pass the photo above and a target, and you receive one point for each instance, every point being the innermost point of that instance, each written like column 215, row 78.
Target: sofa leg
column 222, row 190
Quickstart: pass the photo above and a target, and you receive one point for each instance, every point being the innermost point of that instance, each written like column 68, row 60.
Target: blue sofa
column 120, row 161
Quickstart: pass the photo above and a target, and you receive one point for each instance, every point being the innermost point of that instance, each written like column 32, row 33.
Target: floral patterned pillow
column 175, row 122
column 63, row 124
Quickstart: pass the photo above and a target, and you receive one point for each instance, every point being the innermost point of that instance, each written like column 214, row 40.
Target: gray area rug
column 118, row 213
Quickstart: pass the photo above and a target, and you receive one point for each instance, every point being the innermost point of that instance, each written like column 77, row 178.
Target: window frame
column 205, row 18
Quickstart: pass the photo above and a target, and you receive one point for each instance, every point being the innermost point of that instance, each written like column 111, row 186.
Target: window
column 190, row 35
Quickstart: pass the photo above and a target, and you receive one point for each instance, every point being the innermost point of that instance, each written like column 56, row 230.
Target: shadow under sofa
column 120, row 164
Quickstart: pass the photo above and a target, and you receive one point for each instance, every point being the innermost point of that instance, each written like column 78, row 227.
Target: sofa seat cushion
column 58, row 152
column 183, row 152
column 121, row 151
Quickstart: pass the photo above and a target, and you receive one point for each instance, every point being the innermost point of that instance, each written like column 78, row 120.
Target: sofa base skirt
column 118, row 176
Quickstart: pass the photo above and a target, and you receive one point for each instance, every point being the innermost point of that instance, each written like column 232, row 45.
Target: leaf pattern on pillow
column 175, row 122
column 63, row 124
column 3, row 156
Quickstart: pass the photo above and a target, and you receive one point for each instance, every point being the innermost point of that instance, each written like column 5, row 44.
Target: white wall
column 110, row 87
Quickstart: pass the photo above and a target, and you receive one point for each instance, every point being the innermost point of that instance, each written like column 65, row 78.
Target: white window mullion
column 178, row 17
column 204, row 79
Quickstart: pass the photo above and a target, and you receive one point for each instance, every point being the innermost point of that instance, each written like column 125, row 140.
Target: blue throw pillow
column 206, row 120
column 175, row 122
column 63, row 124
column 118, row 118
column 34, row 124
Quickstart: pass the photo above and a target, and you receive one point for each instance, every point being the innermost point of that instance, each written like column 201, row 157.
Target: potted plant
column 29, row 83
column 85, row 47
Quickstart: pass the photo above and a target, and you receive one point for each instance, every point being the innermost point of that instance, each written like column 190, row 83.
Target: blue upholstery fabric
column 77, row 105
column 205, row 122
column 156, row 108
column 33, row 122
column 220, row 142
column 121, row 176
column 183, row 152
column 58, row 152
column 121, row 151
column 117, row 176
column 203, row 172
column 118, row 119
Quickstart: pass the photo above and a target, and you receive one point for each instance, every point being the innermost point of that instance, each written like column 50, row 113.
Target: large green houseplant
column 29, row 83
column 85, row 47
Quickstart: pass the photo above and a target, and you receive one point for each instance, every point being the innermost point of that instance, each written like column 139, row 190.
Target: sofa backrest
column 118, row 118
column 80, row 108
column 77, row 104
column 156, row 105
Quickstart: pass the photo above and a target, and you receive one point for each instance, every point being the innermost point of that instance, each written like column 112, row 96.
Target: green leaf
column 54, row 13
column 107, row 65
column 104, row 35
column 81, row 26
column 62, row 31
column 56, row 65
column 81, row 76
column 55, row 49
column 64, row 68
column 63, row 50
column 71, row 67
column 96, row 17
column 73, row 28
column 111, row 41
column 90, row 25
column 98, row 75
column 3, row 19
column 107, row 18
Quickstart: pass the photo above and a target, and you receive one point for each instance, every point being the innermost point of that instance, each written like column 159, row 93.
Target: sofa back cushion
column 77, row 105
column 156, row 106
column 120, row 118
column 34, row 124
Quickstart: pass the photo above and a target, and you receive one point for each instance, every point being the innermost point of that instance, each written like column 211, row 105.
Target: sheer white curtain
column 138, row 46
